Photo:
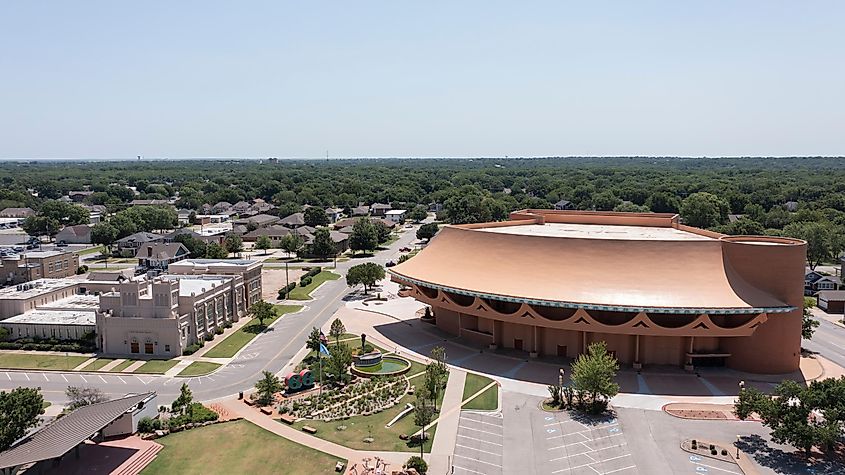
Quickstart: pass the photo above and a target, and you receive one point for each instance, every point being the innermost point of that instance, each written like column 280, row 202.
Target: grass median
column 97, row 364
column 199, row 368
column 36, row 361
column 304, row 293
column 486, row 401
column 239, row 447
column 237, row 340
column 156, row 367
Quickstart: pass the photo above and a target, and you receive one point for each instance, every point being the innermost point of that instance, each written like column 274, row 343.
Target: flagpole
column 320, row 355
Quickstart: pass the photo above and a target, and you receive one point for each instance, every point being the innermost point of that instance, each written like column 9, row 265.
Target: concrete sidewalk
column 447, row 426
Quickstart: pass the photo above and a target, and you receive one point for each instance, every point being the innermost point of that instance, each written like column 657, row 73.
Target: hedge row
column 284, row 291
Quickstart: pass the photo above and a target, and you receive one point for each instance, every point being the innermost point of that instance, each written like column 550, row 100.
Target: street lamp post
column 738, row 440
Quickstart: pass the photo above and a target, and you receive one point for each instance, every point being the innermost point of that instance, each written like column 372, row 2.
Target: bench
column 309, row 429
column 287, row 419
column 267, row 410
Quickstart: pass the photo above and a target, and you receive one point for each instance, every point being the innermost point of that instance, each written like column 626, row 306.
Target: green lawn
column 238, row 447
column 386, row 439
column 237, row 340
column 122, row 366
column 36, row 361
column 97, row 364
column 304, row 293
column 156, row 366
column 199, row 368
column 486, row 401
column 91, row 250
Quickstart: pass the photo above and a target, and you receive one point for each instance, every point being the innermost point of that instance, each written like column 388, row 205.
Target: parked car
column 405, row 249
column 18, row 249
column 390, row 264
column 61, row 244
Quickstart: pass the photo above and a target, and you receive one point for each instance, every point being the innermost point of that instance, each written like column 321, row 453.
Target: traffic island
column 720, row 451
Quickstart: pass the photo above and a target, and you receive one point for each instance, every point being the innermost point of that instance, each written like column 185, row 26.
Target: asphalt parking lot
column 479, row 445
column 583, row 446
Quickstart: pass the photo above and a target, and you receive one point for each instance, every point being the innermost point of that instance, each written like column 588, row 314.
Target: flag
column 324, row 350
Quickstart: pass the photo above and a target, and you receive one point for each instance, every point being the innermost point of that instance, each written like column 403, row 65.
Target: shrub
column 713, row 452
column 192, row 349
column 417, row 463
column 305, row 280
column 724, row 452
column 218, row 331
column 209, row 336
column 313, row 271
column 284, row 291
column 146, row 425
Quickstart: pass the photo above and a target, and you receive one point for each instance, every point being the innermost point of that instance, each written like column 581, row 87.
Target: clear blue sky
column 107, row 79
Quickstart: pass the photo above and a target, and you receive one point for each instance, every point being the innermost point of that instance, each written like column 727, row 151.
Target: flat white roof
column 599, row 231
column 54, row 317
column 74, row 302
column 396, row 211
column 35, row 288
column 197, row 284
column 42, row 254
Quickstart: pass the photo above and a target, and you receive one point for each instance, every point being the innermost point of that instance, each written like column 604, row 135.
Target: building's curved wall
column 774, row 265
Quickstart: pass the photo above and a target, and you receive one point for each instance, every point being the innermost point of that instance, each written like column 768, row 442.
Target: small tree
column 292, row 243
column 261, row 311
column 366, row 274
column 267, row 386
column 423, row 416
column 427, row 231
column 339, row 361
column 418, row 214
column 19, row 411
column 808, row 323
column 79, row 397
column 323, row 246
column 215, row 251
column 182, row 403
column 364, row 236
column 313, row 342
column 418, row 464
column 433, row 383
column 233, row 243
column 263, row 243
column 382, row 232
column 337, row 329
column 104, row 234
column 593, row 375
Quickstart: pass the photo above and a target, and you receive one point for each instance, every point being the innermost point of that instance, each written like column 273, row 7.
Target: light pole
column 738, row 440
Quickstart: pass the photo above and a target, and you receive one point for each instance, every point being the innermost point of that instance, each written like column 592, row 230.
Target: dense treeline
column 704, row 190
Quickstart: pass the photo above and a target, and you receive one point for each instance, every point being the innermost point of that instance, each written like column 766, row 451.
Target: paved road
column 829, row 340
column 270, row 351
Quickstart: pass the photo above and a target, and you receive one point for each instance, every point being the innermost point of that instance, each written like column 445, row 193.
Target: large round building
column 658, row 292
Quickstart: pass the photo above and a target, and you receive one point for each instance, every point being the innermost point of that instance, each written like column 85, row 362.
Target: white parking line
column 467, row 469
column 716, row 468
column 585, row 453
column 479, row 461
column 482, row 422
column 477, row 450
column 63, row 377
column 479, row 440
column 102, row 379
column 479, row 430
column 580, row 442
column 121, row 380
column 27, row 377
column 626, row 468
column 45, row 377
column 590, row 464
column 83, row 378
column 7, row 375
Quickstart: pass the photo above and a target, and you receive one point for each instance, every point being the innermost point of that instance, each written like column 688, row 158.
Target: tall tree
column 261, row 310
column 593, row 375
column 41, row 226
column 215, row 251
column 704, row 210
column 19, row 411
column 315, row 217
column 823, row 242
column 427, row 231
column 366, row 274
column 423, row 415
column 808, row 322
column 233, row 243
column 364, row 236
column 337, row 329
column 323, row 246
column 263, row 243
column 339, row 361
column 292, row 243
column 104, row 234
column 313, row 342
column 79, row 397
column 183, row 401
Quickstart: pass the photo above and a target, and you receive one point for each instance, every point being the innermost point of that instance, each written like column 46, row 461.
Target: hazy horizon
column 109, row 81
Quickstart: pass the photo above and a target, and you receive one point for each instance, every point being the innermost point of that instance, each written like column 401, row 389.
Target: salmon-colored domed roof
column 612, row 261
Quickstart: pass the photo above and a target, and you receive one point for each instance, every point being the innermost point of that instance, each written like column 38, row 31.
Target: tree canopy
column 19, row 411
column 366, row 274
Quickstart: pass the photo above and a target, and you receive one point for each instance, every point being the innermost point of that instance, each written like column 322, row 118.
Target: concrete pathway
column 131, row 368
column 109, row 366
column 83, row 364
column 447, row 426
column 178, row 368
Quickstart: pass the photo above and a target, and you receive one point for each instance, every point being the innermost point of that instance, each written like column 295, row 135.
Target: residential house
column 149, row 202
column 79, row 196
column 79, row 234
column 334, row 214
column 343, row 223
column 241, row 207
column 435, row 207
column 832, row 301
column 396, row 215
column 361, row 210
column 259, row 220
column 564, row 205
column 158, row 255
column 293, row 221
column 379, row 209
column 221, row 207
column 815, row 282
column 17, row 213
column 275, row 233
column 128, row 246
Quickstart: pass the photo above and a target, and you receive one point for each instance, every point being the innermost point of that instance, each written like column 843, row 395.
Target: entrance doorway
column 517, row 343
column 134, row 347
column 561, row 350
